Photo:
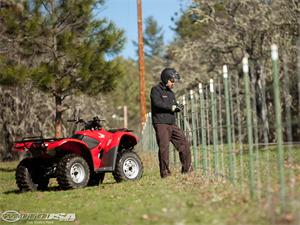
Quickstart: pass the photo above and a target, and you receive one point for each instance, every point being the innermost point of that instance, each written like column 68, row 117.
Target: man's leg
column 163, row 135
column 181, row 143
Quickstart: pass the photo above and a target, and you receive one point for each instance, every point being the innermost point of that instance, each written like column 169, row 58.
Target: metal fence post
column 184, row 116
column 208, row 130
column 214, row 126
column 239, row 126
column 278, row 123
column 249, row 125
column 228, row 124
column 255, row 136
column 194, row 136
column 220, row 124
column 203, row 130
column 232, row 112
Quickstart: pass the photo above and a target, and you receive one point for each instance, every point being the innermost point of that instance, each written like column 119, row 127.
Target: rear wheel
column 72, row 172
column 30, row 177
column 128, row 166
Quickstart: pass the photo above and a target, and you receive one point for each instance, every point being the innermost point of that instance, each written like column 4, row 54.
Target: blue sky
column 124, row 14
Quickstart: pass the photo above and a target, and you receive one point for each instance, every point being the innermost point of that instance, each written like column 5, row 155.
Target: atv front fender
column 124, row 140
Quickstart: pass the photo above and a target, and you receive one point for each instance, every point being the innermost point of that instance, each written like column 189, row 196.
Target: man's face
column 170, row 83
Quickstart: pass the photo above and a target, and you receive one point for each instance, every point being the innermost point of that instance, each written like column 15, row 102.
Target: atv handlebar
column 93, row 124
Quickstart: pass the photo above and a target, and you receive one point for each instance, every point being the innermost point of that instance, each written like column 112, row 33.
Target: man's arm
column 157, row 101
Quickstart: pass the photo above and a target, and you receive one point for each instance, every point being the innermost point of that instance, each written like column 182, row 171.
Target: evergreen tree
column 61, row 45
column 153, row 38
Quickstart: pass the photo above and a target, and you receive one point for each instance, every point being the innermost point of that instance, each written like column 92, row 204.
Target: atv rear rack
column 37, row 139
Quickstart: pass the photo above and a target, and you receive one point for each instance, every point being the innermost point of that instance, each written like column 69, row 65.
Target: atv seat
column 119, row 129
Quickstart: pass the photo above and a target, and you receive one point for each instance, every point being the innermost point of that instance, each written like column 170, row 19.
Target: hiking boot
column 191, row 169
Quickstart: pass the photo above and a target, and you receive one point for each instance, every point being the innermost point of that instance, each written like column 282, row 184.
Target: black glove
column 180, row 106
column 177, row 107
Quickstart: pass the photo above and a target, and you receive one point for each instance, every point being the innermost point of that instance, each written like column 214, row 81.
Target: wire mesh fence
column 244, row 130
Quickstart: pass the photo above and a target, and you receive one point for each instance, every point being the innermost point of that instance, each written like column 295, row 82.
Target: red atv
column 80, row 160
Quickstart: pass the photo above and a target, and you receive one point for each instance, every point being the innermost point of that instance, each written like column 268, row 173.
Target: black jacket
column 162, row 99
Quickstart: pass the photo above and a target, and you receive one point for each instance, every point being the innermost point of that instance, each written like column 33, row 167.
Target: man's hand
column 177, row 107
column 180, row 106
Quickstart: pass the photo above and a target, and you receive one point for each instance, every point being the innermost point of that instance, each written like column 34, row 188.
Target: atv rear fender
column 68, row 146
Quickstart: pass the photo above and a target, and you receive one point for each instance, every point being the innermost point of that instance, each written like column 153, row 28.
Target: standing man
column 163, row 109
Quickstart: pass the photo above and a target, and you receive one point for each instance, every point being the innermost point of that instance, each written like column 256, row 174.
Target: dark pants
column 164, row 134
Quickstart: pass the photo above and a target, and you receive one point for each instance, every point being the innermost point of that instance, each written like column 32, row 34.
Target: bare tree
column 230, row 29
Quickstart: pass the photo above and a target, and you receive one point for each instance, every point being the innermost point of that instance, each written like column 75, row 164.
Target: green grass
column 179, row 200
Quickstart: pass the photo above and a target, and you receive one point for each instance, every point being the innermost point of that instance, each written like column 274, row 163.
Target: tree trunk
column 261, row 105
column 58, row 116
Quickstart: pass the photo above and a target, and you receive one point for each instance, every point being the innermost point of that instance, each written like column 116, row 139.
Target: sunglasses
column 172, row 81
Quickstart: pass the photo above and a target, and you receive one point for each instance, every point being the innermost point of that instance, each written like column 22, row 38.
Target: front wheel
column 72, row 172
column 128, row 166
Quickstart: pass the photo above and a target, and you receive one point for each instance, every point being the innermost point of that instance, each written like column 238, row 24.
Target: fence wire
column 245, row 130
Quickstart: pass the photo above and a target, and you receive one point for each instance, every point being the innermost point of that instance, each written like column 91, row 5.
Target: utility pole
column 141, row 65
column 125, row 116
